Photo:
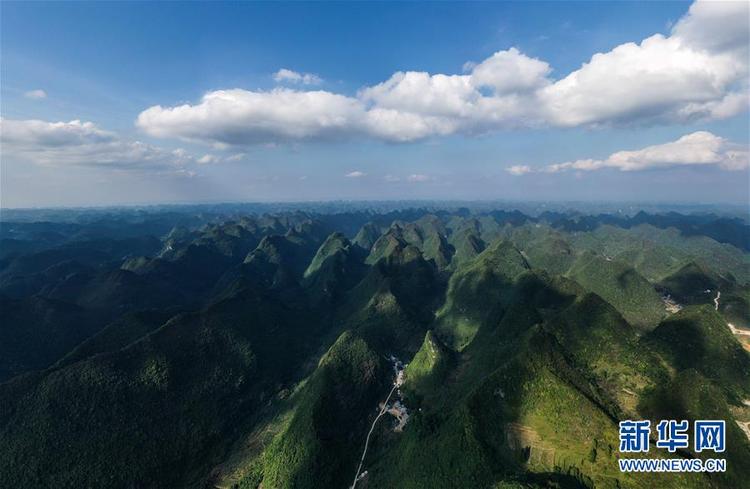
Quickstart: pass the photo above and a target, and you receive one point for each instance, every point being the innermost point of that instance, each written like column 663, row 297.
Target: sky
column 115, row 103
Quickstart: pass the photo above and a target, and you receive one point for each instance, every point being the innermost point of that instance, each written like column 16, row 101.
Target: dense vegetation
column 225, row 347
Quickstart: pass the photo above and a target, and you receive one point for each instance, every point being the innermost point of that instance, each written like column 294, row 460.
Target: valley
column 396, row 409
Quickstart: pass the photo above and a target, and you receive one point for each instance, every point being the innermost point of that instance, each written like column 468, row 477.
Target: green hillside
column 478, row 291
column 631, row 294
column 336, row 267
column 698, row 338
column 429, row 367
column 319, row 446
column 175, row 399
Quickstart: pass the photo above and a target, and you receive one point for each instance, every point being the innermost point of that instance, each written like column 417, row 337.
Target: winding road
column 383, row 410
column 738, row 332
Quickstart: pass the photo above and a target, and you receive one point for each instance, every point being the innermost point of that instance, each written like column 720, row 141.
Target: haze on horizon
column 132, row 103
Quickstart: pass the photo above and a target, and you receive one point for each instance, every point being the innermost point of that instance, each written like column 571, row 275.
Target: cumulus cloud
column 422, row 93
column 698, row 148
column 715, row 26
column 660, row 80
column 237, row 117
column 356, row 174
column 510, row 72
column 35, row 94
column 290, row 76
column 84, row 144
column 699, row 71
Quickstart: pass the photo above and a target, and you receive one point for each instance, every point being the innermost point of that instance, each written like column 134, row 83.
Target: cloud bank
column 84, row 144
column 698, row 148
column 698, row 72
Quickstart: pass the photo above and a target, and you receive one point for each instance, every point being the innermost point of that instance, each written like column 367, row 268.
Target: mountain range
column 234, row 348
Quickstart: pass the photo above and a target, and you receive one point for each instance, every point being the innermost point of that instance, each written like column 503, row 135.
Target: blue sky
column 124, row 70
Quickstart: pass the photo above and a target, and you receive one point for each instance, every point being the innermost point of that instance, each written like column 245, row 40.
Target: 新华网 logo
column 672, row 435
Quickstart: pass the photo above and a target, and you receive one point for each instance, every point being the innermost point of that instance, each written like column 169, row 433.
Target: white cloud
column 286, row 75
column 355, row 174
column 661, row 79
column 422, row 93
column 35, row 94
column 400, row 126
column 84, row 144
column 698, row 72
column 392, row 178
column 698, row 148
column 418, row 178
column 33, row 134
column 208, row 159
column 519, row 169
column 510, row 71
column 238, row 117
column 715, row 26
